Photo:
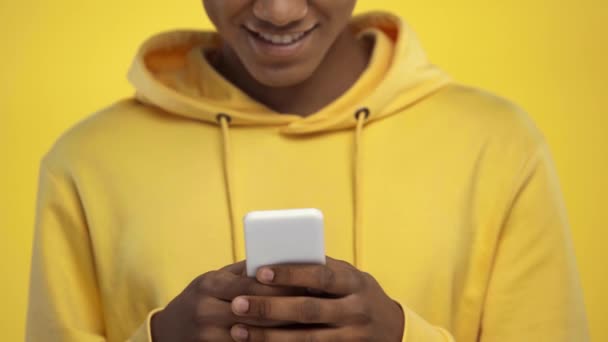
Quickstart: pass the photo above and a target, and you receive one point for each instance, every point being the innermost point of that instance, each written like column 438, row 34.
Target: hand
column 202, row 311
column 355, row 307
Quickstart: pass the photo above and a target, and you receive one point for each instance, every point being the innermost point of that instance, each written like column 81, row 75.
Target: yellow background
column 61, row 60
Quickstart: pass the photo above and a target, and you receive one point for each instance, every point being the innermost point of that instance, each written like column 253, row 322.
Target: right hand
column 202, row 312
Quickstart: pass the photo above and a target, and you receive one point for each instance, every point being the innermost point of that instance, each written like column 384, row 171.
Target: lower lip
column 268, row 49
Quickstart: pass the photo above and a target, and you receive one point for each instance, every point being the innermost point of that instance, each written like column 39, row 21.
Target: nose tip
column 280, row 12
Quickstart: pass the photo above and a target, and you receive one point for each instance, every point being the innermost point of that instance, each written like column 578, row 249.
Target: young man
column 443, row 216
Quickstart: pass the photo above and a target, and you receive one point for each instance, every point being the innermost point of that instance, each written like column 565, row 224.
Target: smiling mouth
column 284, row 39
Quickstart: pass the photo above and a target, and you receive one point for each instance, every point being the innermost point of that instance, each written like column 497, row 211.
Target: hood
column 170, row 71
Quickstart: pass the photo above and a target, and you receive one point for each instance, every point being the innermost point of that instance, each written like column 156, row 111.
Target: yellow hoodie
column 446, row 194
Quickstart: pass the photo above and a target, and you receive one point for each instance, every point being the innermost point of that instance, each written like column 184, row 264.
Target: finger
column 236, row 268
column 331, row 278
column 227, row 286
column 243, row 333
column 216, row 312
column 211, row 333
column 306, row 310
column 213, row 311
column 330, row 261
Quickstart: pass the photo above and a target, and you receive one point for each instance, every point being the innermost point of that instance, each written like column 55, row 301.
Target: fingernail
column 240, row 305
column 240, row 333
column 266, row 275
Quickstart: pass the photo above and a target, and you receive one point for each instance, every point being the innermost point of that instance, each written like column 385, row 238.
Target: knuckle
column 207, row 334
column 263, row 308
column 367, row 277
column 345, row 264
column 327, row 277
column 309, row 311
column 360, row 279
column 362, row 314
column 361, row 317
column 285, row 274
column 202, row 313
column 208, row 282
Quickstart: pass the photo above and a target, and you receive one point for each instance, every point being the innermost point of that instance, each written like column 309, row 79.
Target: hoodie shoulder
column 477, row 110
column 105, row 128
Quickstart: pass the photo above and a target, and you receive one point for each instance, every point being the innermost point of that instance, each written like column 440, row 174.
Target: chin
column 282, row 77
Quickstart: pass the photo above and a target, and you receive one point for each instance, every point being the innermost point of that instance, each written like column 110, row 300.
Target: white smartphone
column 293, row 236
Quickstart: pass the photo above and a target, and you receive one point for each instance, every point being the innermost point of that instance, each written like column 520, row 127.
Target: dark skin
column 354, row 306
column 202, row 312
column 295, row 56
column 332, row 302
column 326, row 67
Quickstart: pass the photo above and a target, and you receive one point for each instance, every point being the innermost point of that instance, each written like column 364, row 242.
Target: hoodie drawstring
column 224, row 121
column 361, row 116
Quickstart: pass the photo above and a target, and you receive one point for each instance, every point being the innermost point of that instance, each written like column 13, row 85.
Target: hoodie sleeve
column 64, row 301
column 419, row 330
column 534, row 292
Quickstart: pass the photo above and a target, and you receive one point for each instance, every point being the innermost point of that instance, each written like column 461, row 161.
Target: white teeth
column 281, row 39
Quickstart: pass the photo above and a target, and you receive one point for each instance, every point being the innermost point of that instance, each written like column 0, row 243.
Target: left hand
column 355, row 308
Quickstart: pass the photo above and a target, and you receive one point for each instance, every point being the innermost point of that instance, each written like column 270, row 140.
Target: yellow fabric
column 144, row 332
column 447, row 193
